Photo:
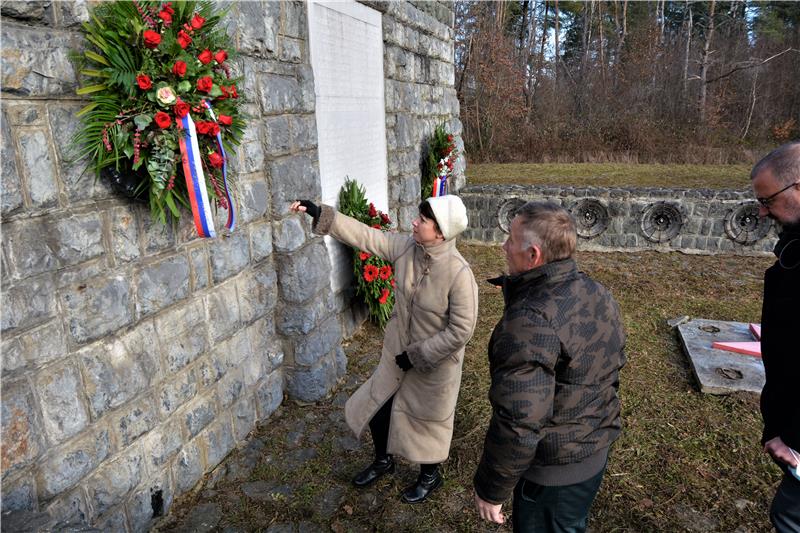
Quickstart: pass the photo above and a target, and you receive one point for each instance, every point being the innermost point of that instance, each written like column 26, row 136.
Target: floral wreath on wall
column 442, row 155
column 164, row 112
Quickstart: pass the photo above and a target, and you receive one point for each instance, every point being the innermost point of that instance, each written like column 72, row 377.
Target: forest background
column 630, row 82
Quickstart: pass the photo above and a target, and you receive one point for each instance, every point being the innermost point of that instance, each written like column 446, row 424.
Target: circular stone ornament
column 661, row 222
column 744, row 226
column 506, row 212
column 591, row 217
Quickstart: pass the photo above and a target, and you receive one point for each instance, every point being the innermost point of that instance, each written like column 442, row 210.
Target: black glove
column 311, row 208
column 403, row 362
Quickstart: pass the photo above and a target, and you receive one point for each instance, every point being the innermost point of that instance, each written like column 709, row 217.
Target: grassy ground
column 685, row 461
column 607, row 175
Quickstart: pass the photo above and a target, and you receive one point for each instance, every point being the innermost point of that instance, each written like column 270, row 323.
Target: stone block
column 244, row 417
column 254, row 200
column 133, row 421
column 160, row 445
column 257, row 292
column 277, row 138
column 279, row 94
column 294, row 19
column 289, row 234
column 309, row 384
column 223, row 311
column 124, row 235
column 112, row 376
column 255, row 26
column 229, row 256
column 78, row 238
column 111, row 484
column 187, row 468
column 38, row 165
column 260, row 240
column 198, row 414
column 199, row 259
column 152, row 500
column 30, row 247
column 10, row 186
column 231, row 387
column 23, row 438
column 250, row 153
column 300, row 319
column 304, row 273
column 218, row 441
column 60, row 392
column 157, row 237
column 97, row 307
column 176, row 391
column 304, row 132
column 309, row 348
column 269, row 395
column 161, row 284
column 69, row 508
column 69, row 464
column 182, row 335
column 143, row 348
column 74, row 13
column 114, row 520
column 34, row 348
column 18, row 494
column 293, row 177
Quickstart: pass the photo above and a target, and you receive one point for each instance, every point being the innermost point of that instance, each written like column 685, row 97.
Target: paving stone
column 348, row 443
column 329, row 503
column 266, row 491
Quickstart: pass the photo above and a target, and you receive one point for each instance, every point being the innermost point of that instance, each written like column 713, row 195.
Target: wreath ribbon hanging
column 195, row 179
column 231, row 224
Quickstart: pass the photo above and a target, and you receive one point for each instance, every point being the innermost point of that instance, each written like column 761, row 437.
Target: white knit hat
column 450, row 213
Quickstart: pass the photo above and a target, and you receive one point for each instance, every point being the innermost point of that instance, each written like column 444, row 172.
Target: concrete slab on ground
column 719, row 371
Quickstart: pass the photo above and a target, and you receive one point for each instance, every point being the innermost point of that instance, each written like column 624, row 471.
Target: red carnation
column 225, row 93
column 384, row 296
column 364, row 256
column 168, row 8
column 376, row 226
column 163, row 120
column 184, row 39
column 203, row 127
column 386, row 272
column 215, row 159
column 205, row 56
column 221, row 56
column 197, row 21
column 151, row 39
column 370, row 273
column 385, row 219
column 225, row 120
column 449, row 138
column 166, row 16
column 181, row 109
column 372, row 211
column 144, row 81
column 232, row 91
column 204, row 84
column 179, row 68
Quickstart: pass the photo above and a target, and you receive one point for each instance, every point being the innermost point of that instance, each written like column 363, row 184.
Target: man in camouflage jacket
column 554, row 359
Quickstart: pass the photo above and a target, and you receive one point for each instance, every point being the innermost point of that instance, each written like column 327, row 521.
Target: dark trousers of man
column 785, row 511
column 379, row 429
column 561, row 509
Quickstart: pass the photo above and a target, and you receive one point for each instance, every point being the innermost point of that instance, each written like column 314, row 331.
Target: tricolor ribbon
column 195, row 179
column 231, row 224
column 439, row 186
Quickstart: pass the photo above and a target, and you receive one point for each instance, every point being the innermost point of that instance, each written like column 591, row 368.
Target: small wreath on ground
column 165, row 111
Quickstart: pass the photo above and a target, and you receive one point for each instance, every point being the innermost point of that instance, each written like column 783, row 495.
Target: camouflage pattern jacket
column 554, row 359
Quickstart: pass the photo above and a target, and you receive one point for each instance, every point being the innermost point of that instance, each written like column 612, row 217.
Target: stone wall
column 623, row 219
column 136, row 356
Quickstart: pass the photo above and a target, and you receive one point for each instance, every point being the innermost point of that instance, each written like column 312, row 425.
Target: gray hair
column 783, row 162
column 549, row 226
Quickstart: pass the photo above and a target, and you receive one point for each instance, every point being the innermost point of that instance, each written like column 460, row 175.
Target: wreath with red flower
column 149, row 66
column 440, row 163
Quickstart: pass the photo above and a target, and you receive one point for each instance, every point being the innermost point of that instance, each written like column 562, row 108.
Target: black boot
column 379, row 467
column 426, row 483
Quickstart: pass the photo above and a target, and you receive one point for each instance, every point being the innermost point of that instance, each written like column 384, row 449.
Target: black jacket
column 554, row 360
column 780, row 342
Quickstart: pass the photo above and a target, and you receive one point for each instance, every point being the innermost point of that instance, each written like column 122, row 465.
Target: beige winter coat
column 436, row 307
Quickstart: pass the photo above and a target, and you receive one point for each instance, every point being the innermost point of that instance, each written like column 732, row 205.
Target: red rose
column 376, row 226
column 225, row 120
column 233, row 92
column 213, row 129
column 168, row 8
column 184, row 39
column 221, row 56
column 204, row 84
column 151, row 39
column 205, row 56
column 144, row 81
column 450, row 138
column 364, row 256
column 181, row 109
column 202, row 127
column 384, row 296
column 215, row 159
column 179, row 69
column 391, row 282
column 197, row 21
column 372, row 211
column 385, row 219
column 163, row 120
column 225, row 93
column 166, row 16
column 370, row 273
column 386, row 272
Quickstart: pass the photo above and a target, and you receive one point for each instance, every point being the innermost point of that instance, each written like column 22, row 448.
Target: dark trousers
column 785, row 511
column 562, row 509
column 379, row 429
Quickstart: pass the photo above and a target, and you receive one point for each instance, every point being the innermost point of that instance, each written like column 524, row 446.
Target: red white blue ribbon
column 231, row 224
column 439, row 186
column 195, row 179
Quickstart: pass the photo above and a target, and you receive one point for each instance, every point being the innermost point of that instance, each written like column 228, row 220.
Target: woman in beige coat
column 409, row 401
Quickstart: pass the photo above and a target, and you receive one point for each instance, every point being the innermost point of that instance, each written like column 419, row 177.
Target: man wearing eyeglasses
column 776, row 184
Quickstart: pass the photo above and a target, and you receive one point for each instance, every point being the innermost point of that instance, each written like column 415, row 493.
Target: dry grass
column 611, row 175
column 685, row 461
